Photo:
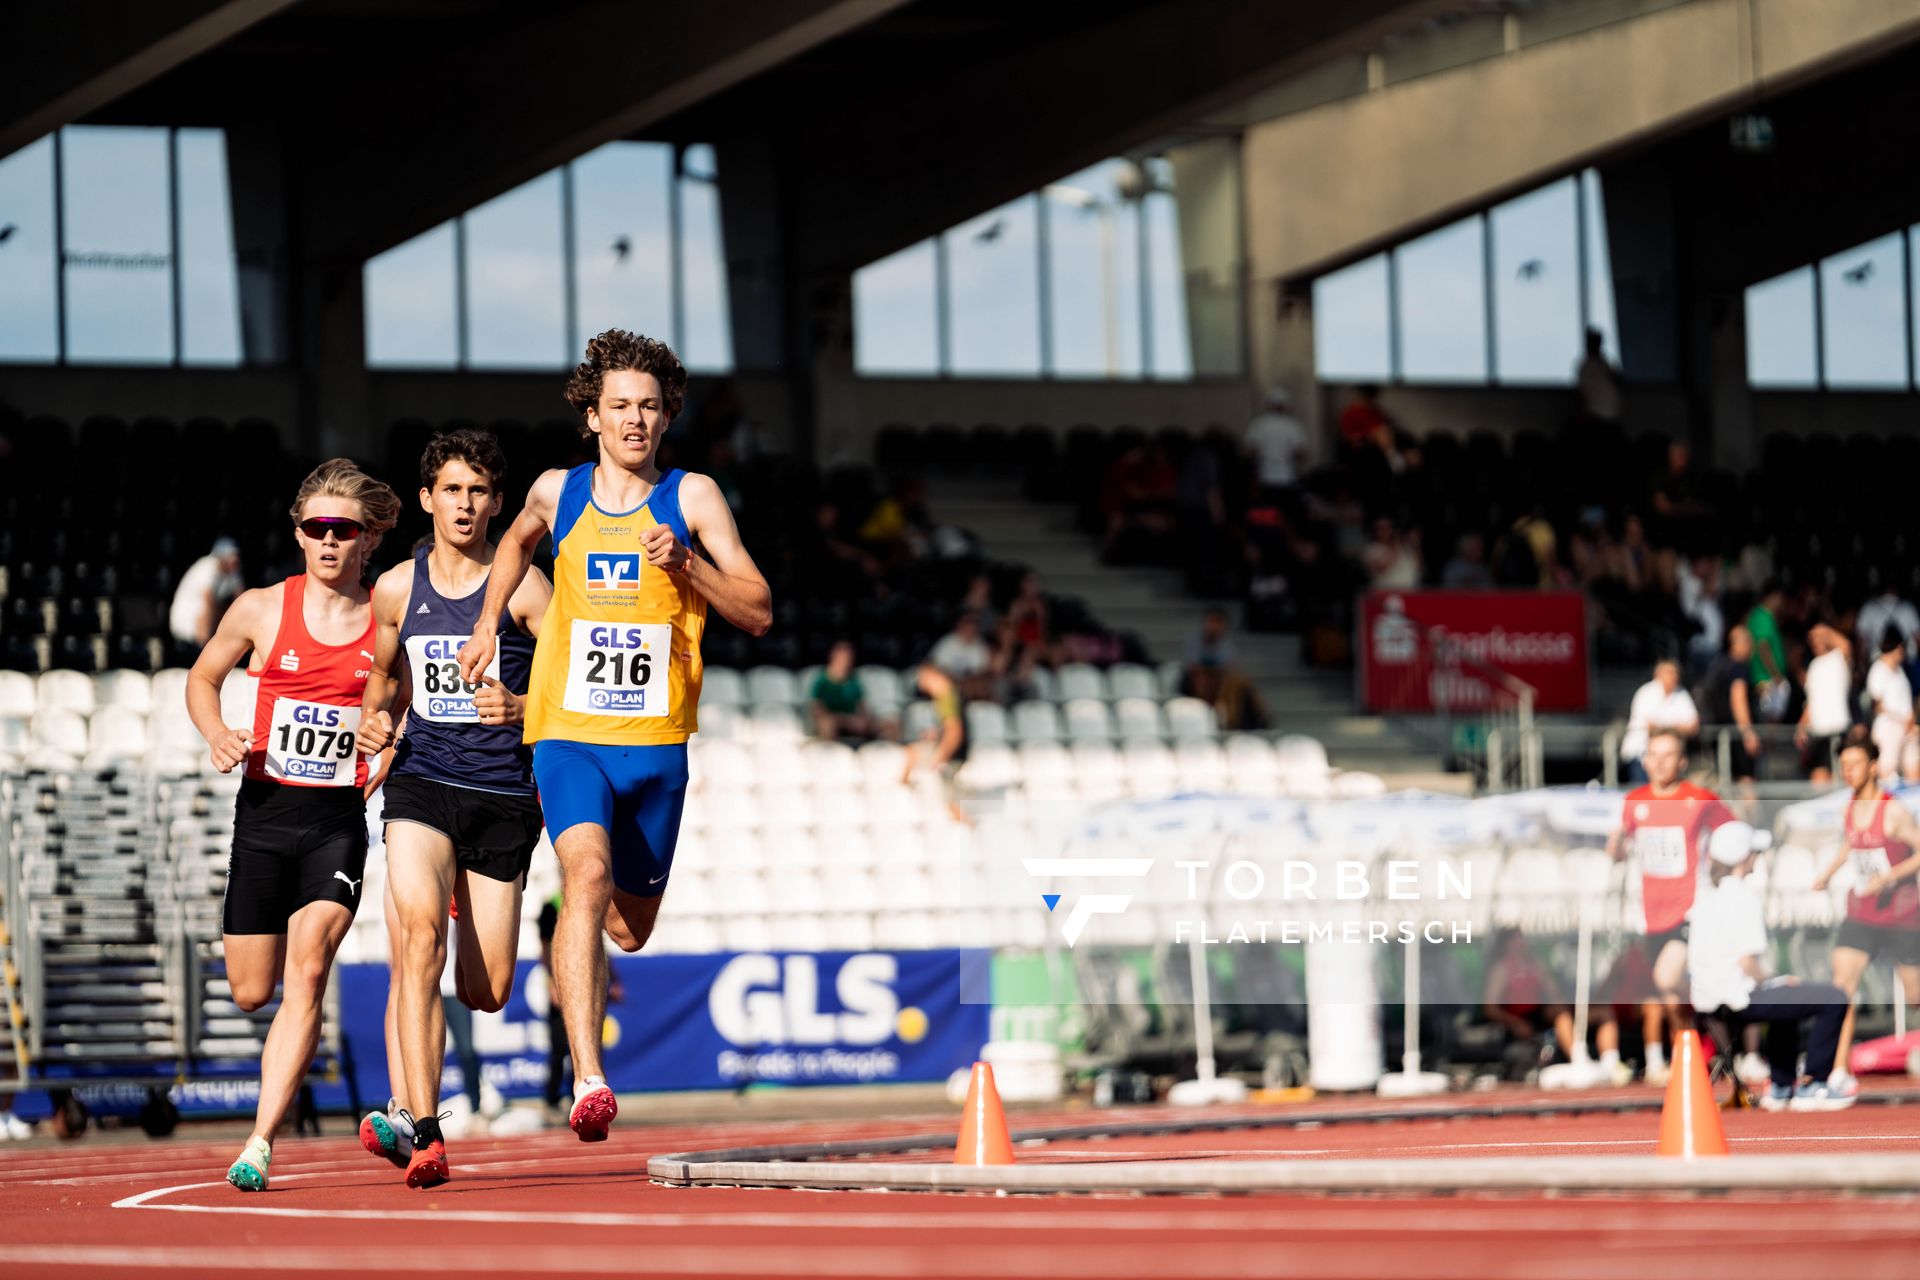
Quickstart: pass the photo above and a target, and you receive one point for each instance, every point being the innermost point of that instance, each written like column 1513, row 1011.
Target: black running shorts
column 493, row 834
column 293, row 846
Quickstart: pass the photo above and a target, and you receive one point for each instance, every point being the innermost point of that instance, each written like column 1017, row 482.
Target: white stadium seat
column 116, row 737
column 61, row 735
column 1088, row 720
column 1036, row 721
column 722, row 687
column 130, row 689
column 1081, row 680
column 881, row 763
column 16, row 739
column 17, row 696
column 1190, row 718
column 771, row 686
column 1139, row 718
column 1046, row 685
column 1131, row 680
column 986, row 724
column 774, row 722
column 64, row 691
column 921, row 719
column 831, row 764
column 886, row 692
column 236, row 699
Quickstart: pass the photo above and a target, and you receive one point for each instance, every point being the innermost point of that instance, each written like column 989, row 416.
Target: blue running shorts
column 634, row 794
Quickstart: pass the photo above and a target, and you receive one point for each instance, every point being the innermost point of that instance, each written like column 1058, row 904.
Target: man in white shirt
column 1660, row 703
column 1829, row 711
column 1730, row 961
column 965, row 658
column 1599, row 382
column 205, row 589
column 1888, row 610
column 1278, row 444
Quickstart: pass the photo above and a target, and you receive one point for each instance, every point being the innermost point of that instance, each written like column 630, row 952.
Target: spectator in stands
column 1518, row 990
column 1660, row 703
column 1888, row 610
column 844, row 568
column 1210, row 675
column 206, row 589
column 1599, row 383
column 942, row 748
column 1684, row 515
column 1364, row 424
column 897, row 528
column 965, row 658
column 1828, row 712
column 838, row 703
column 1729, row 691
column 1526, row 556
column 1772, row 676
column 1030, row 628
column 1699, row 586
column 1892, row 695
column 978, row 601
column 1468, row 571
column 1392, row 558
column 1138, row 499
column 1277, row 444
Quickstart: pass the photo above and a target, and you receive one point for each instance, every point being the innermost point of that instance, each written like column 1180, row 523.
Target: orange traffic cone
column 1690, row 1121
column 983, row 1125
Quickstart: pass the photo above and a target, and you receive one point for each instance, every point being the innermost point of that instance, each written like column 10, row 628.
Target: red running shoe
column 381, row 1137
column 429, row 1166
column 593, row 1114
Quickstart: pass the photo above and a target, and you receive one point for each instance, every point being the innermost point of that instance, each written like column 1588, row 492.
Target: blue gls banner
column 715, row 1021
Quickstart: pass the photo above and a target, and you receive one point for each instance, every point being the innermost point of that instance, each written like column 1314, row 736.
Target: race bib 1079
column 312, row 742
column 619, row 669
column 1663, row 851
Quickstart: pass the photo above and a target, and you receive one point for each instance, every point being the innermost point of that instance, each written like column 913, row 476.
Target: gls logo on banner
column 1092, row 904
column 613, row 571
column 756, row 1002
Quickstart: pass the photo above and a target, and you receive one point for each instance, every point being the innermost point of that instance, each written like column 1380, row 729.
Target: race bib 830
column 439, row 694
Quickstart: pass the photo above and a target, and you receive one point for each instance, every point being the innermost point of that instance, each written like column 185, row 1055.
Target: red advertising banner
column 1424, row 651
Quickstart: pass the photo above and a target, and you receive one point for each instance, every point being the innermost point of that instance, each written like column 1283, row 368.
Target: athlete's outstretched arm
column 229, row 644
column 390, row 595
column 731, row 582
column 511, row 560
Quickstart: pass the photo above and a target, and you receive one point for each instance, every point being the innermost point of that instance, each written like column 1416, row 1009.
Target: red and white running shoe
column 593, row 1114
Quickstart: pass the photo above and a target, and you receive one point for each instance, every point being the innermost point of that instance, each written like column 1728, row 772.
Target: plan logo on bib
column 613, row 571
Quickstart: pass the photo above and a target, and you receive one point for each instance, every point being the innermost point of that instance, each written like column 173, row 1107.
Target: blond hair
column 343, row 478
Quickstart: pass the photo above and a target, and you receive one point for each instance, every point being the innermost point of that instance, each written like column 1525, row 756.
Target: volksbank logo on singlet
column 613, row 571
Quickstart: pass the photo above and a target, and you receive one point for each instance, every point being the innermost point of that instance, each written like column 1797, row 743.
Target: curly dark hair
column 617, row 349
column 478, row 449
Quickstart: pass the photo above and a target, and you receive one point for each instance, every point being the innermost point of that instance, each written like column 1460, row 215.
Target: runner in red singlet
column 1883, row 911
column 1666, row 822
column 300, row 824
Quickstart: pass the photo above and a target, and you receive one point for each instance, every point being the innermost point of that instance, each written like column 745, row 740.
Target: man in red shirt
column 1666, row 824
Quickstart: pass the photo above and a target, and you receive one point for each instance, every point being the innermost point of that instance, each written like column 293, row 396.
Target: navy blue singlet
column 444, row 739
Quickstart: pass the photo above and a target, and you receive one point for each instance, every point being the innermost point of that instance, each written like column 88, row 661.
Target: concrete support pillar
column 257, row 190
column 1207, row 187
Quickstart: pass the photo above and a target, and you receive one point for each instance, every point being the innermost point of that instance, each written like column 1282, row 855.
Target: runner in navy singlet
column 461, row 816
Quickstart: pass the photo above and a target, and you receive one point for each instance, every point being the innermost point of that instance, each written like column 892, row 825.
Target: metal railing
column 1507, row 755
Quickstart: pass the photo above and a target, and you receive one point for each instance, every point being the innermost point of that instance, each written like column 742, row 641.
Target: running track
column 545, row 1204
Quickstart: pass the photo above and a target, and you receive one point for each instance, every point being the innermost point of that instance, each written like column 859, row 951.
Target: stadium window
column 209, row 287
column 896, row 328
column 1536, row 286
column 516, row 279
column 1167, row 286
column 1093, row 275
column 623, row 240
column 706, row 335
column 1781, row 335
column 29, row 320
column 411, row 307
column 993, row 292
column 1351, row 339
column 1863, row 318
column 1599, row 267
column 1442, row 305
column 116, row 210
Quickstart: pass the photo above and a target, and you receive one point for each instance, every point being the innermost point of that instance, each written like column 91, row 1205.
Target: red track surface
column 548, row 1205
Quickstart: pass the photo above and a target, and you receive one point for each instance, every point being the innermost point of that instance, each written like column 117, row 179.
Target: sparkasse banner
column 1420, row 651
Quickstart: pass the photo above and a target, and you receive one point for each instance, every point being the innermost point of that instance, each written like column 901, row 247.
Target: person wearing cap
column 207, row 587
column 1730, row 960
column 1277, row 443
column 1883, row 911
